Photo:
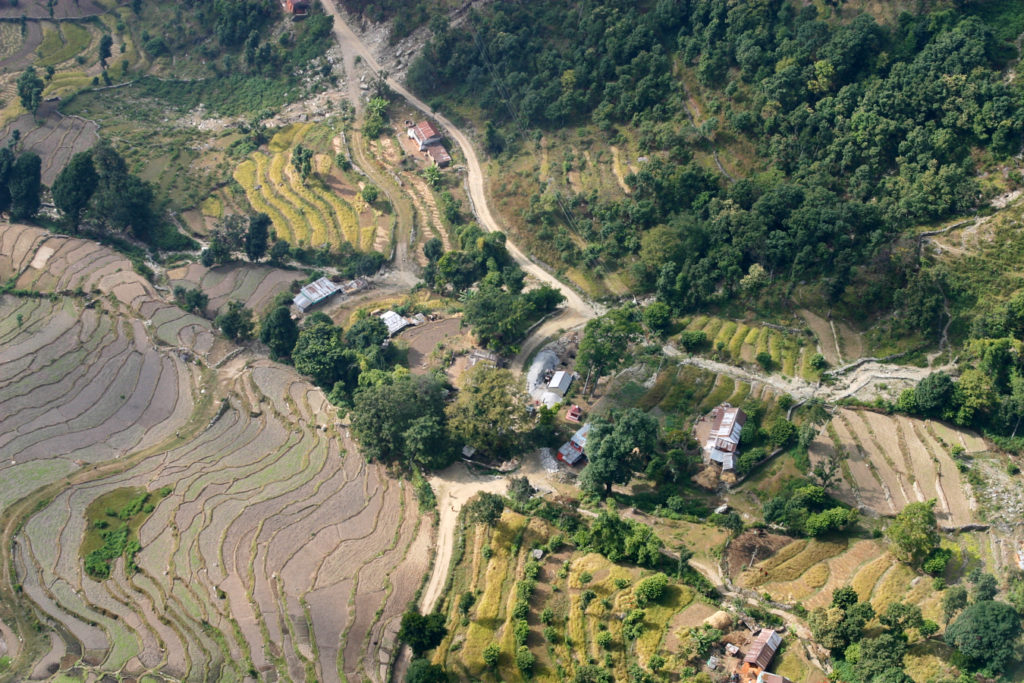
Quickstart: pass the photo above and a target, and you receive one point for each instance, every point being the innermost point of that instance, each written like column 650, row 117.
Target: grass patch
column 113, row 522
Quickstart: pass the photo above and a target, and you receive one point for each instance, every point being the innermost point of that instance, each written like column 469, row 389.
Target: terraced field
column 254, row 285
column 307, row 212
column 573, row 637
column 55, row 141
column 889, row 461
column 278, row 552
column 738, row 342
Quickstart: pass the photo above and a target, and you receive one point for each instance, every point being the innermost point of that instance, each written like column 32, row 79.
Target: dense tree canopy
column 860, row 129
column 913, row 533
column 489, row 413
column 73, row 187
column 384, row 414
column 279, row 332
column 986, row 634
column 616, row 449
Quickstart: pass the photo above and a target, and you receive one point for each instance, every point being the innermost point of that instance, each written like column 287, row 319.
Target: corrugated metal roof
column 762, row 650
column 393, row 321
column 560, row 382
column 439, row 154
column 424, row 130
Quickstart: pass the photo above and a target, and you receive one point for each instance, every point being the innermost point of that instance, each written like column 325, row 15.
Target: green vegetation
column 113, row 521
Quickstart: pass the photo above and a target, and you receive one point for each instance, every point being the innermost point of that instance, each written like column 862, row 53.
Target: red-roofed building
column 425, row 135
column 759, row 655
column 297, row 8
column 439, row 154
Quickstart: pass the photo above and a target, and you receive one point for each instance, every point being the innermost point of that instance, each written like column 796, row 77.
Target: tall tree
column 605, row 343
column 256, row 236
column 383, row 414
column 73, row 187
column 30, row 89
column 614, row 450
column 106, row 42
column 6, row 166
column 986, row 634
column 422, row 633
column 279, row 332
column 489, row 413
column 236, row 323
column 24, row 185
column 320, row 353
column 913, row 533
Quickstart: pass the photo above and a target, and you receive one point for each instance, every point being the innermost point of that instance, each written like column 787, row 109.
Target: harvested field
column 276, row 544
column 253, row 284
column 37, row 9
column 55, row 141
column 889, row 461
column 425, row 339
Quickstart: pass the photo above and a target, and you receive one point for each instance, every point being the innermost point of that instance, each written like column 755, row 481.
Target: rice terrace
column 588, row 341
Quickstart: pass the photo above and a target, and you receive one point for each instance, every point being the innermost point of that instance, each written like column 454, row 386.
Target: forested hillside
column 859, row 130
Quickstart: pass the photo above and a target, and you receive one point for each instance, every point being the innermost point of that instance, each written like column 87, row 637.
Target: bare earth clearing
column 299, row 555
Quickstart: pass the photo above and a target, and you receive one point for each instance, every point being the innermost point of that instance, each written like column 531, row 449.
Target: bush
column 604, row 640
column 491, row 655
column 525, row 660
column 651, row 589
column 693, row 340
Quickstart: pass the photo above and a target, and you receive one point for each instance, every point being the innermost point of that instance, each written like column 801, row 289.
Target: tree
column 120, row 200
column 605, row 343
column 651, row 589
column 842, row 622
column 368, row 332
column 986, row 634
column 525, row 660
column 898, row 617
column 612, row 448
column 302, row 161
column 191, row 300
column 954, row 599
column 489, row 413
column 485, row 508
column 422, row 671
column 279, row 332
column 492, row 653
column 934, row 394
column 880, row 655
column 382, row 415
column 6, row 167
column 985, row 588
column 913, row 533
column 520, row 489
column 422, row 633
column 498, row 318
column 433, row 248
column 30, row 89
column 73, row 187
column 24, row 185
column 781, row 433
column 257, row 235
column 658, row 317
column 426, row 441
column 319, row 353
column 236, row 323
column 106, row 42
column 369, row 194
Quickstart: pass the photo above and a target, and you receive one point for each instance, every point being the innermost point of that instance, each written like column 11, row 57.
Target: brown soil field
column 274, row 531
column 253, row 284
column 889, row 461
column 753, row 545
column 424, row 339
column 25, row 53
column 64, row 9
column 55, row 141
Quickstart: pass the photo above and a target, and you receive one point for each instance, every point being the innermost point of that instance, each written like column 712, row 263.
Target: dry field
column 252, row 284
column 64, row 9
column 889, row 461
column 279, row 549
column 55, row 141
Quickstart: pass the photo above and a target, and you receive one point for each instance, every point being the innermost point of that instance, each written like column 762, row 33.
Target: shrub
column 525, row 660
column 521, row 609
column 586, row 577
column 651, row 589
column 604, row 640
column 547, row 616
column 551, row 634
column 586, row 597
column 693, row 340
column 521, row 631
column 491, row 655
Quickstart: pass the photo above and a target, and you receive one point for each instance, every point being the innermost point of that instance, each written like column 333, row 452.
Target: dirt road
column 351, row 46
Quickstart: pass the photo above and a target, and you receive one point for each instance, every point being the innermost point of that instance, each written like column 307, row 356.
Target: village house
column 394, row 322
column 571, row 451
column 297, row 8
column 314, row 293
column 439, row 155
column 759, row 656
column 723, row 442
column 424, row 134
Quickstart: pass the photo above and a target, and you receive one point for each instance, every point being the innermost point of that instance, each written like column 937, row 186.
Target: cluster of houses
column 320, row 290
column 429, row 140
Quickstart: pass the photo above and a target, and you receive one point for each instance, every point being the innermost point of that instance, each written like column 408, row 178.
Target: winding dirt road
column 579, row 309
